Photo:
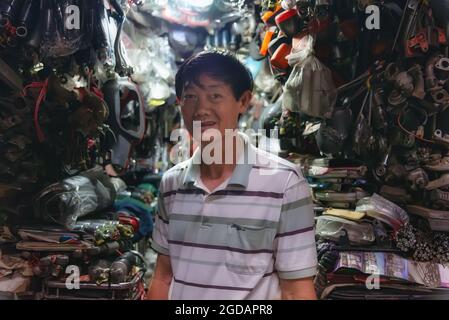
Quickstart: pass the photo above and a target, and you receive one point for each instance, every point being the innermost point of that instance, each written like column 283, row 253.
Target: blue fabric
column 253, row 66
column 141, row 211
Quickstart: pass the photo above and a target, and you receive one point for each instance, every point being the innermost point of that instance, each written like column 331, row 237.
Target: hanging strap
column 42, row 95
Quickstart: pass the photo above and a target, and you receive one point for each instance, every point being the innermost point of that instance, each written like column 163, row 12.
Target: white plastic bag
column 301, row 49
column 288, row 4
column 310, row 89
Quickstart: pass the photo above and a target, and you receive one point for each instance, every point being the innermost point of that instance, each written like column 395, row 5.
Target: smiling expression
column 212, row 103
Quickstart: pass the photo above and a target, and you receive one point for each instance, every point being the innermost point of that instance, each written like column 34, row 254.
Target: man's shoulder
column 174, row 174
column 266, row 160
column 177, row 169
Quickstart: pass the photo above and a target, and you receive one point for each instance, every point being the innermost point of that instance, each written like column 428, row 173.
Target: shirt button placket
column 206, row 200
column 205, row 197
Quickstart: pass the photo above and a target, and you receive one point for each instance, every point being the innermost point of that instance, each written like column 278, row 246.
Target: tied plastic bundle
column 65, row 201
column 310, row 88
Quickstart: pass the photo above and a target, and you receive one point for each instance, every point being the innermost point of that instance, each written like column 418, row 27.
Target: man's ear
column 245, row 99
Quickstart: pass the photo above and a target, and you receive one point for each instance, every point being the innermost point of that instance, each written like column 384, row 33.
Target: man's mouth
column 207, row 125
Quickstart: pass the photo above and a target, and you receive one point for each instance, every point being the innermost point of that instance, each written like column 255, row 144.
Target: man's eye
column 189, row 96
column 216, row 96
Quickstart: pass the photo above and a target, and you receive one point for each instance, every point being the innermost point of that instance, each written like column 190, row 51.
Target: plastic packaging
column 58, row 40
column 122, row 266
column 332, row 228
column 65, row 201
column 288, row 4
column 310, row 88
column 302, row 47
column 381, row 209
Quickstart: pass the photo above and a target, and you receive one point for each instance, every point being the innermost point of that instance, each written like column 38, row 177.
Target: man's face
column 213, row 104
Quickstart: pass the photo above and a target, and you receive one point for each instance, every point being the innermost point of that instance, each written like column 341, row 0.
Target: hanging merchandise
column 384, row 137
column 441, row 9
column 270, row 116
column 155, row 64
column 309, row 89
column 276, row 43
column 195, row 6
column 288, row 4
column 126, row 118
column 265, row 83
column 57, row 40
column 358, row 102
column 68, row 110
column 244, row 28
column 289, row 23
column 108, row 42
column 185, row 41
column 228, row 5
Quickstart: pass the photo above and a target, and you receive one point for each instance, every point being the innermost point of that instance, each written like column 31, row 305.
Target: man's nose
column 203, row 107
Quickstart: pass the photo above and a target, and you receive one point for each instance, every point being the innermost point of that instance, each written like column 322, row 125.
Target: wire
column 43, row 86
column 411, row 133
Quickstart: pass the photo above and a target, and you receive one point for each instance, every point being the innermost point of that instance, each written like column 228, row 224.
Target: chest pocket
column 250, row 249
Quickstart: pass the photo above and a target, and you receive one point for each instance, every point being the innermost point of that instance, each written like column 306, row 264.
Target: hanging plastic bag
column 65, row 201
column 310, row 88
column 302, row 48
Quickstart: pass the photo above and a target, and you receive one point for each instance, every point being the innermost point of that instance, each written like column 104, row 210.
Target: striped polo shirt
column 236, row 242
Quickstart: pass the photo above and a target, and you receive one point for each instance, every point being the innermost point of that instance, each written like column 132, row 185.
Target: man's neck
column 216, row 171
column 214, row 174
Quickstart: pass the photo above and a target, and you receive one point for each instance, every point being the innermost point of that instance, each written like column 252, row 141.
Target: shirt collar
column 193, row 169
column 242, row 170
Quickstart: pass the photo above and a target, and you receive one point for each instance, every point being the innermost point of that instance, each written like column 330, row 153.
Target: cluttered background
column 356, row 90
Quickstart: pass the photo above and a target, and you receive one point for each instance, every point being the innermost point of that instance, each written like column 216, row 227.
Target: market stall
column 355, row 93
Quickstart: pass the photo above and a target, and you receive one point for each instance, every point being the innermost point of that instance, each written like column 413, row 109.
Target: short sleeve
column 294, row 245
column 160, row 233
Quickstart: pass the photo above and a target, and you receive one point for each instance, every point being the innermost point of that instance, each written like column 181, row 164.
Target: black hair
column 220, row 65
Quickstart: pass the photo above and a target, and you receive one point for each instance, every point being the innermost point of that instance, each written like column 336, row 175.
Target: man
column 239, row 229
